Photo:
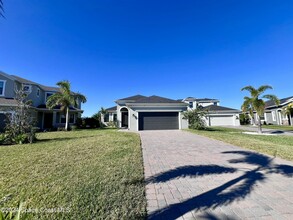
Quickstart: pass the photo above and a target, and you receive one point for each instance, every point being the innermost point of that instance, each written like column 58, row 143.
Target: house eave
column 156, row 104
column 224, row 112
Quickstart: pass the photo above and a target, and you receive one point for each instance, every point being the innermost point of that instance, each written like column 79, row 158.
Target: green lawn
column 92, row 174
column 280, row 145
column 279, row 127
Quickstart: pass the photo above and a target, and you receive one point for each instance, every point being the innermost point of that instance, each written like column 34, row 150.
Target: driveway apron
column 193, row 177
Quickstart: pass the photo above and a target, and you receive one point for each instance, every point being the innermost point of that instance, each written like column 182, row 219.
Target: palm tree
column 247, row 107
column 288, row 110
column 65, row 98
column 1, row 9
column 258, row 104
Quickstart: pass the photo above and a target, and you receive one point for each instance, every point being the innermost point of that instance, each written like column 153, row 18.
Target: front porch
column 50, row 119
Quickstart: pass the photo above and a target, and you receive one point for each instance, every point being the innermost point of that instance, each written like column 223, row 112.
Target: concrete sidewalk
column 265, row 130
column 194, row 177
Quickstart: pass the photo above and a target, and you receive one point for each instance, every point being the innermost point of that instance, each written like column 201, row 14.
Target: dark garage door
column 158, row 120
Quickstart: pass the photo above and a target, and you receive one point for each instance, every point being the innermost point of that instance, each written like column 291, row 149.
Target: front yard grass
column 279, row 145
column 88, row 174
column 279, row 127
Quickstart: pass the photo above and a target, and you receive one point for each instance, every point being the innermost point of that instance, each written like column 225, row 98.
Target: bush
column 112, row 124
column 244, row 119
column 19, row 127
column 87, row 123
column 2, row 138
column 61, row 129
column 196, row 119
column 73, row 128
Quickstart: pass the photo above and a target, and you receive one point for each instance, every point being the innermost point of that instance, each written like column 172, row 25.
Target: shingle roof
column 49, row 88
column 282, row 101
column 156, row 99
column 26, row 81
column 114, row 108
column 218, row 108
column 206, row 99
column 22, row 80
column 134, row 98
column 192, row 99
column 8, row 101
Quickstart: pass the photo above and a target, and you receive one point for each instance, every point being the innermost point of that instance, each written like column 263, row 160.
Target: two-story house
column 216, row 115
column 45, row 118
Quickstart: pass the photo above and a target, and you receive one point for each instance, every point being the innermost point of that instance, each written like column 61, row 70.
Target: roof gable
column 133, row 98
column 156, row 99
column 114, row 108
column 219, row 108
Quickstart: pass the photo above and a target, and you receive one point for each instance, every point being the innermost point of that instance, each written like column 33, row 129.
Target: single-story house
column 221, row 116
column 273, row 114
column 158, row 113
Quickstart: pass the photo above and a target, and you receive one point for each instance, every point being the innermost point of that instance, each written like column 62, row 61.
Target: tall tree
column 65, row 99
column 98, row 116
column 248, row 107
column 1, row 9
column 288, row 110
column 256, row 100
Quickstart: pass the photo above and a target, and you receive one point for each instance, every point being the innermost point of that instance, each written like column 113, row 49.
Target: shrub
column 244, row 119
column 73, row 127
column 87, row 123
column 112, row 124
column 196, row 119
column 19, row 128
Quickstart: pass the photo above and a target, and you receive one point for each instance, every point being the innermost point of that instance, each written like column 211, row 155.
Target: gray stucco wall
column 9, row 87
column 269, row 118
column 37, row 100
column 133, row 114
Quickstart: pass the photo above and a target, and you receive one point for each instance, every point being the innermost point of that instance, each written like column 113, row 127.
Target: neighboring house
column 273, row 114
column 216, row 115
column 158, row 113
column 111, row 115
column 45, row 118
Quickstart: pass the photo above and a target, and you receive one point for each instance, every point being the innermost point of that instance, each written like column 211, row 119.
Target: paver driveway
column 194, row 177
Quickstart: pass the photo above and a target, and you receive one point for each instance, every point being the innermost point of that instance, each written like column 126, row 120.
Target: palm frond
column 1, row 9
column 259, row 106
column 253, row 91
column 248, row 88
column 78, row 96
column 54, row 100
column 263, row 88
column 64, row 86
column 273, row 98
column 247, row 104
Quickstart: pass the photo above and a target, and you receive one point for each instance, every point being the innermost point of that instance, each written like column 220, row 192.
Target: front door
column 124, row 121
column 48, row 120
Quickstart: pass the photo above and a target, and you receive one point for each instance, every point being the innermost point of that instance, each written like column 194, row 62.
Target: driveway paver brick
column 193, row 177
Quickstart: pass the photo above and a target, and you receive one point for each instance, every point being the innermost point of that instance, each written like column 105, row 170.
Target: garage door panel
column 158, row 120
column 221, row 120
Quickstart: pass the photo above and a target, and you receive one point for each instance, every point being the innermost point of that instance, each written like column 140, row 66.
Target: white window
column 38, row 92
column 274, row 115
column 190, row 104
column 2, row 87
column 26, row 88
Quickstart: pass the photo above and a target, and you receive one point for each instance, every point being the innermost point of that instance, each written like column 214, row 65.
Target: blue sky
column 114, row 49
